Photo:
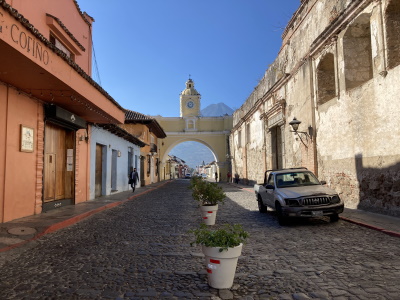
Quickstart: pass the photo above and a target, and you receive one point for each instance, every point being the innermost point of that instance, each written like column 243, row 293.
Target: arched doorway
column 218, row 161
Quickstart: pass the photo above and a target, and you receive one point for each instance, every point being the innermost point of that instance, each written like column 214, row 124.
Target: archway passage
column 193, row 153
column 191, row 157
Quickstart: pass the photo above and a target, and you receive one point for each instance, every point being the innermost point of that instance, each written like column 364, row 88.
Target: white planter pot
column 208, row 213
column 221, row 266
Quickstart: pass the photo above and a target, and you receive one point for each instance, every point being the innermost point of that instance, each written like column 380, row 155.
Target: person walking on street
column 229, row 175
column 216, row 176
column 133, row 179
column 236, row 178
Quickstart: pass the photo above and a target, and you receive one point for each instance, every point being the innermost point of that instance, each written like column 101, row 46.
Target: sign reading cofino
column 29, row 44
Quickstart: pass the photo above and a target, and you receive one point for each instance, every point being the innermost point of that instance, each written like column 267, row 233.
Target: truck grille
column 316, row 201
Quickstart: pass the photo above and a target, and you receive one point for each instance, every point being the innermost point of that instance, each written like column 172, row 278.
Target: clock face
column 190, row 104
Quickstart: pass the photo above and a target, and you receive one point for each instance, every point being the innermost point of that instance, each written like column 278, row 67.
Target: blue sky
column 145, row 50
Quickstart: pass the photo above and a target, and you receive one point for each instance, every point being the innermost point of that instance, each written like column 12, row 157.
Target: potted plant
column 208, row 195
column 222, row 248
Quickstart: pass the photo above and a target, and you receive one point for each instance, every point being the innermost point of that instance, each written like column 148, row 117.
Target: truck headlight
column 335, row 199
column 292, row 202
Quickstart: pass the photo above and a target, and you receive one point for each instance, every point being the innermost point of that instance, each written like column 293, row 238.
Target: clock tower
column 190, row 100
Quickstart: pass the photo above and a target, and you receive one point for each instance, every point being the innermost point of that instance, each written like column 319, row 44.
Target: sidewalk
column 386, row 224
column 19, row 232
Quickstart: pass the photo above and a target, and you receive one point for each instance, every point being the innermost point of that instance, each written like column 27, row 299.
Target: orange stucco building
column 47, row 102
column 149, row 131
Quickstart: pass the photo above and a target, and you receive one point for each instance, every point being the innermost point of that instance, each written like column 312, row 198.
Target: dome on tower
column 190, row 90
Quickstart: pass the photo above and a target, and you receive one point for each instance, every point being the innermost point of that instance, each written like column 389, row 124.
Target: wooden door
column 99, row 171
column 142, row 181
column 114, row 157
column 58, row 181
column 276, row 147
column 61, row 162
column 50, row 177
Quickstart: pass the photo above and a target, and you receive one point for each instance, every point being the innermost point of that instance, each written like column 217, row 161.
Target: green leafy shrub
column 195, row 180
column 228, row 236
column 206, row 193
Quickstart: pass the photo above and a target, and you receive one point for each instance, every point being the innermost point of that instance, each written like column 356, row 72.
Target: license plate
column 318, row 213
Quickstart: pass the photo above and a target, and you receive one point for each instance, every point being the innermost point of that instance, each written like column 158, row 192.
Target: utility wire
column 96, row 67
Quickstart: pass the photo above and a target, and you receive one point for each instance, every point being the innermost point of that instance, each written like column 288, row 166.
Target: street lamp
column 295, row 126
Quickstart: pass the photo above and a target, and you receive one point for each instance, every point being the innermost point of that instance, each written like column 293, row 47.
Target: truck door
column 269, row 194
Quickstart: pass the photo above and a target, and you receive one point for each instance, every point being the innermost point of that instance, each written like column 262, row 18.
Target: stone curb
column 391, row 233
column 75, row 219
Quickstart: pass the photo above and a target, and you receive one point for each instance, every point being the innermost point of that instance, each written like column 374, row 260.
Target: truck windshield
column 293, row 179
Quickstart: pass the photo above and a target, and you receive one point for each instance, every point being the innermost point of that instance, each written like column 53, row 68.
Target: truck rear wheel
column 261, row 207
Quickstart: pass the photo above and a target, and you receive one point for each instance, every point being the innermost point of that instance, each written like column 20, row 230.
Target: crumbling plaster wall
column 294, row 49
column 254, row 149
column 354, row 144
column 360, row 156
column 299, row 103
column 237, row 152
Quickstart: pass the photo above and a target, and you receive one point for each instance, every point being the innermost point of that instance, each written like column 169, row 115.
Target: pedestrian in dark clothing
column 216, row 177
column 133, row 179
column 236, row 178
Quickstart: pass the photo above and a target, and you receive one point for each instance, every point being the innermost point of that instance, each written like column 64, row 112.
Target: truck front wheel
column 282, row 220
column 334, row 217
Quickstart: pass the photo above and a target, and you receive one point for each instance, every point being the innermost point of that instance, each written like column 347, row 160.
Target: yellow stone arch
column 213, row 132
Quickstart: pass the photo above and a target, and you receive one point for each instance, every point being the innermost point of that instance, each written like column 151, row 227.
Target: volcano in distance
column 217, row 110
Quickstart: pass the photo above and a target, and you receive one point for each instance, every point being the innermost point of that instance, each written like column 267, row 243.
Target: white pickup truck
column 297, row 192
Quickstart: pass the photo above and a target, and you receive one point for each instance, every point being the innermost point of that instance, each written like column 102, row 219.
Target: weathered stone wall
column 360, row 157
column 337, row 72
column 237, row 152
column 254, row 146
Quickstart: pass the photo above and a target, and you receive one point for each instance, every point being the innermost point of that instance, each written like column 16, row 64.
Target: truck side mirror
column 269, row 187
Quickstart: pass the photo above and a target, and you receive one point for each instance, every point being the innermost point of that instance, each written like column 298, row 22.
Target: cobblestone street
column 141, row 250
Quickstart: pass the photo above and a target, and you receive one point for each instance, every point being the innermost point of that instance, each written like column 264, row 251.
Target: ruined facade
column 337, row 73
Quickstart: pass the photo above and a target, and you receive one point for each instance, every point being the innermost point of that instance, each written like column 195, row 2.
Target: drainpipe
column 336, row 62
column 245, row 152
column 383, row 41
column 313, row 112
column 264, row 140
column 2, row 216
column 88, row 156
